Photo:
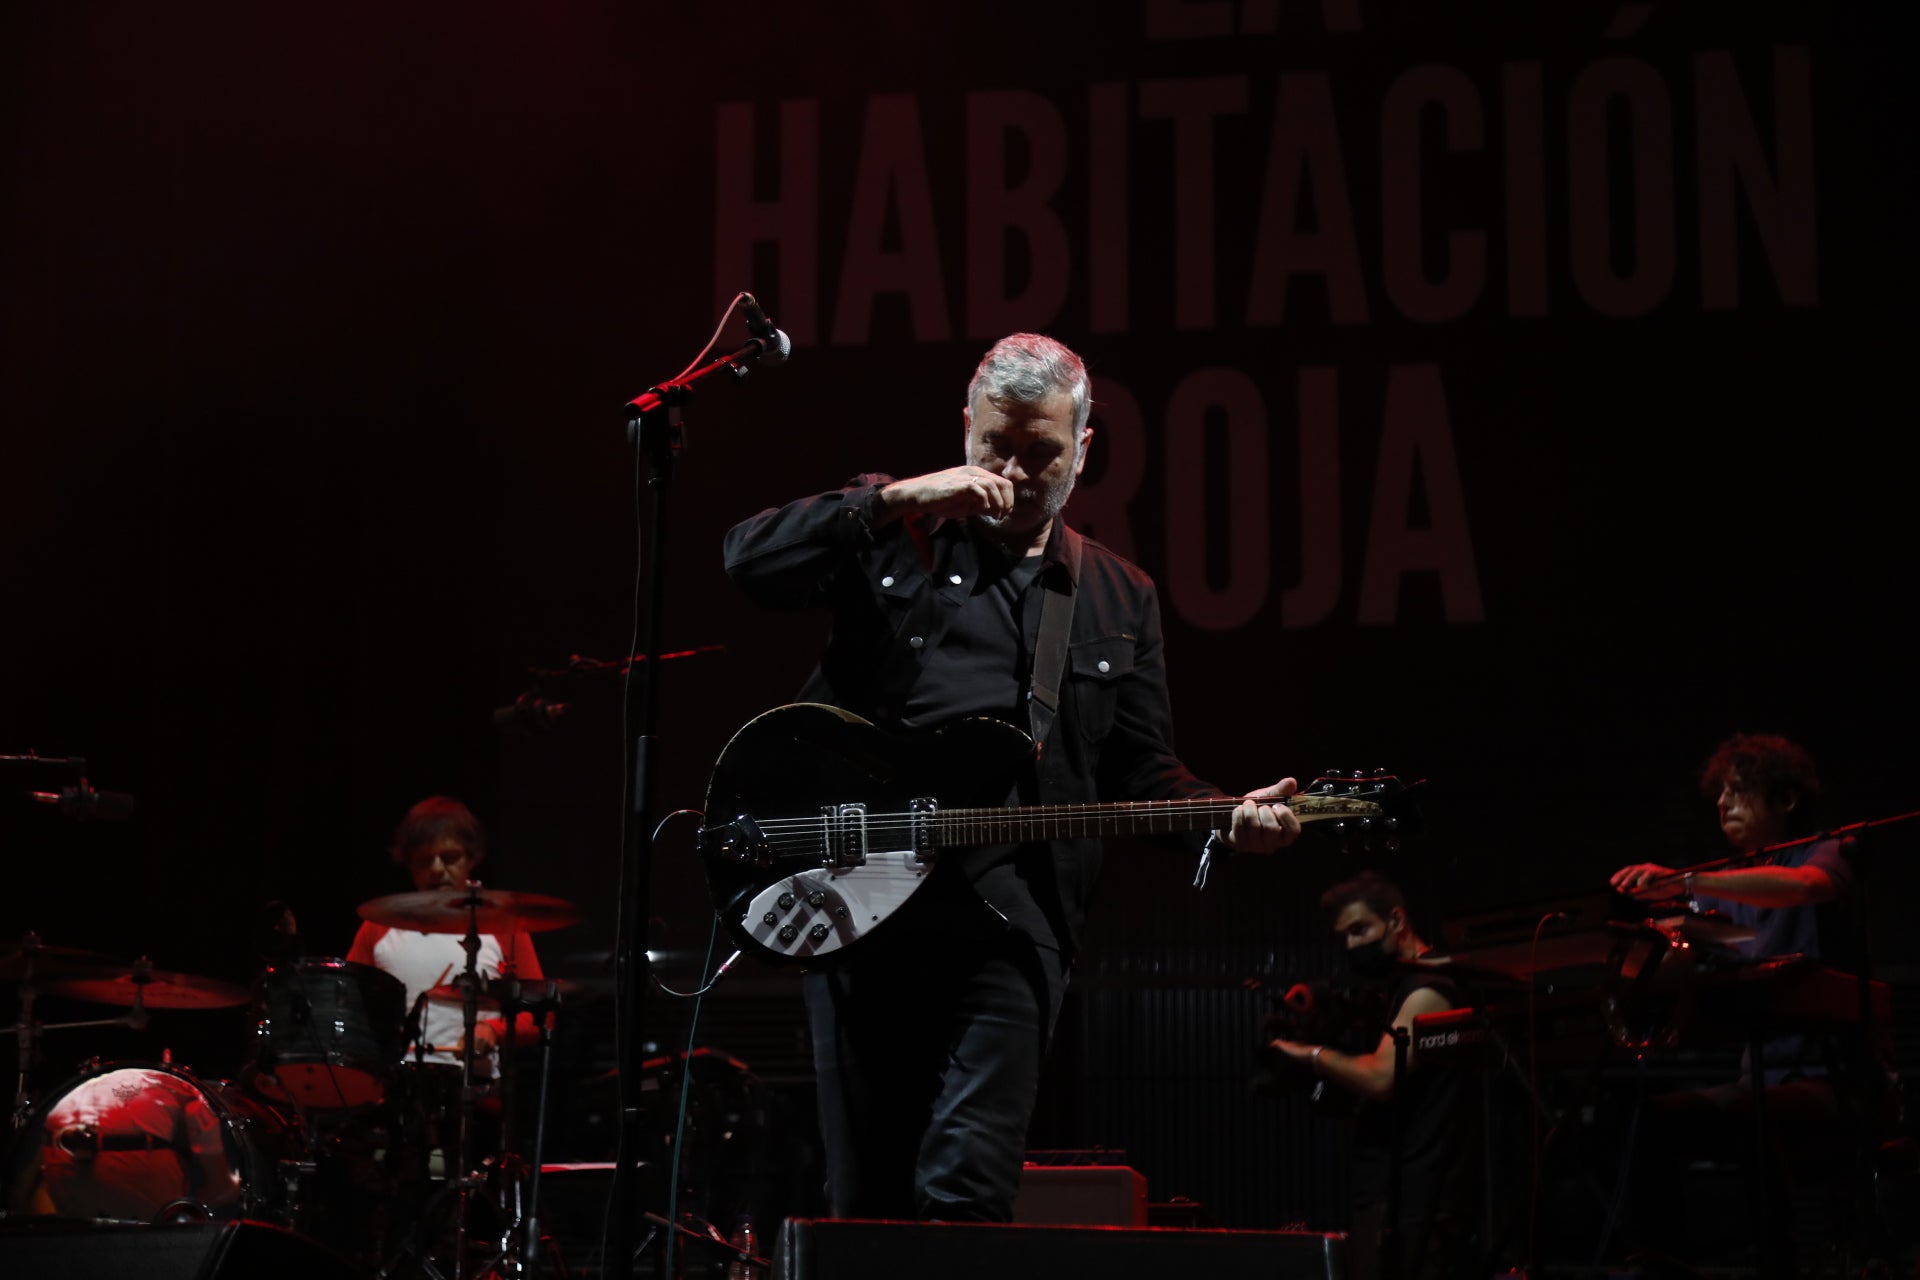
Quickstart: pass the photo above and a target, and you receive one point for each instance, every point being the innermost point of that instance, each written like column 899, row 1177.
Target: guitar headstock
column 1364, row 809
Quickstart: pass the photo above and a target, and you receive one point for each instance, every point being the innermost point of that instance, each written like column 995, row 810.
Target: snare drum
column 146, row 1141
column 326, row 1033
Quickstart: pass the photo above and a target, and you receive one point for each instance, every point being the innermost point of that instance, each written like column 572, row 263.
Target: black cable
column 678, row 1153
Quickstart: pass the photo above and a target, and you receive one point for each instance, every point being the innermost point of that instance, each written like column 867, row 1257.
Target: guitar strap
column 1050, row 649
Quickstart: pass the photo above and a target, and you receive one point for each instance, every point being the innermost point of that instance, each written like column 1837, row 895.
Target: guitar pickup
column 844, row 833
column 920, row 816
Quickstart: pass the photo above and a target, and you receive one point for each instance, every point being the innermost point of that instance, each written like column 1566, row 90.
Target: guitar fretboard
column 1132, row 818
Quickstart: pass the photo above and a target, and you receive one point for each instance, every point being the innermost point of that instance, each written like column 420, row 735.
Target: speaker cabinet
column 848, row 1249
column 31, row 1248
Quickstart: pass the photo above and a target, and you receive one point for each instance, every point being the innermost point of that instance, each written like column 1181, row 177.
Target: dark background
column 316, row 326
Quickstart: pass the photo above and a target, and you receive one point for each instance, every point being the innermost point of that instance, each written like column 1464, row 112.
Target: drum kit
column 405, row 1167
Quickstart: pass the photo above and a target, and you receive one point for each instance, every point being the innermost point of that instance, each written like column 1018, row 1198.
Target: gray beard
column 1052, row 502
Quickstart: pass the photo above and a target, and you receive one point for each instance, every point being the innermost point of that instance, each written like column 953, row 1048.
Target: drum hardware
column 471, row 912
column 25, row 960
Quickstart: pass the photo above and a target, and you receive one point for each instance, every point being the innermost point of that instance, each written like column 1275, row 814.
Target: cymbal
column 160, row 990
column 51, row 961
column 448, row 911
column 493, row 991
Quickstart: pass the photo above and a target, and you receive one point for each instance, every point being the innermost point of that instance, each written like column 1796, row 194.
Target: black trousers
column 1806, row 1130
column 927, row 1049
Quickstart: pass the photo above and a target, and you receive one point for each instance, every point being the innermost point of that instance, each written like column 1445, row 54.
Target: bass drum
column 151, row 1142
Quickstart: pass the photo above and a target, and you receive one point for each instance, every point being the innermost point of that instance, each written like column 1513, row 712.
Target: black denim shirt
column 892, row 593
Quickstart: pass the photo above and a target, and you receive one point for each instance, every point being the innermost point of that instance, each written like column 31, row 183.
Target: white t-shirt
column 423, row 961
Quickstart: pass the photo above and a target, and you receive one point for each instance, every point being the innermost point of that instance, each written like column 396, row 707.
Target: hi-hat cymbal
column 159, row 990
column 451, row 910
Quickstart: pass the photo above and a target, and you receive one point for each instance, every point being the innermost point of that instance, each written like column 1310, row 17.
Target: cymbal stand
column 28, row 1031
column 547, row 1007
column 518, row 1196
column 461, row 1169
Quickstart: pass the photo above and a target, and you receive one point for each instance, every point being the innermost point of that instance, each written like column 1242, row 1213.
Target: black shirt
column 1424, row 1119
column 899, row 592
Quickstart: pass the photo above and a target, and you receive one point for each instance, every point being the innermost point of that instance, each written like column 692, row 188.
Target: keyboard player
column 1422, row 1120
column 1820, row 1089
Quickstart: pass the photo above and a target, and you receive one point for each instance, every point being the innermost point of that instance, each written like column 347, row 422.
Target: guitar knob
column 817, row 899
column 770, row 918
column 818, row 933
column 786, row 902
column 788, row 933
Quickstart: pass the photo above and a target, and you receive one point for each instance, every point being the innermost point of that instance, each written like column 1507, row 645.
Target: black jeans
column 927, row 1048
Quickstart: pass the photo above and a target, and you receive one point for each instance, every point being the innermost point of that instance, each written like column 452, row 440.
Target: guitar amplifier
column 1092, row 1195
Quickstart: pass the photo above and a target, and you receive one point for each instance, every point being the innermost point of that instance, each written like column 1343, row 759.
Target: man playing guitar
column 956, row 594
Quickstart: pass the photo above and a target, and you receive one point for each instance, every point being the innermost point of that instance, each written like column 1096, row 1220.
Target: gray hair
column 1028, row 367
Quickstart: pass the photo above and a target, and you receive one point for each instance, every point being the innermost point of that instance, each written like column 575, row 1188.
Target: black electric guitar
column 820, row 825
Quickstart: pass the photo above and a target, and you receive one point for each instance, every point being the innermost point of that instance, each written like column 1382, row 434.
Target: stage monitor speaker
column 848, row 1249
column 62, row 1249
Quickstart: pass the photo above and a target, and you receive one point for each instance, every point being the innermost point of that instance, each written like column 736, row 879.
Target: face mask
column 1371, row 959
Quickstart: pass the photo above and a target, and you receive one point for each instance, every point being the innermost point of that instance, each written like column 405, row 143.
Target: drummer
column 440, row 844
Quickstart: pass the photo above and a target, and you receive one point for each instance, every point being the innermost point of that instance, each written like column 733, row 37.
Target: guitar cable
column 713, row 938
column 678, row 1153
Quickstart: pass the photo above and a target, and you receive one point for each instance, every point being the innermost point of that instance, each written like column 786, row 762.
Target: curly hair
column 1379, row 895
column 1769, row 765
column 435, row 819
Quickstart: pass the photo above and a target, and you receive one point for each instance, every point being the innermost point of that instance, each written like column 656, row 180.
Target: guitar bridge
column 844, row 835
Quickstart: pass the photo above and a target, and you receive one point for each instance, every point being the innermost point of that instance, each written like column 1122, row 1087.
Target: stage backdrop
column 1507, row 395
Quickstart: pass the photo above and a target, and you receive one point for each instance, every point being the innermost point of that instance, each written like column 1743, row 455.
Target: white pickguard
column 853, row 902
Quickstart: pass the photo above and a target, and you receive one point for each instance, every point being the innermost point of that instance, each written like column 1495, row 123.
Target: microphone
column 82, row 803
column 276, row 933
column 775, row 346
column 530, row 713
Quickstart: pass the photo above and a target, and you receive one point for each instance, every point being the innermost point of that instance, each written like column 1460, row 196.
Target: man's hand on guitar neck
column 1262, row 828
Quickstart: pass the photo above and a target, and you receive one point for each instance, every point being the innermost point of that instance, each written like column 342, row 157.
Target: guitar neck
column 1132, row 818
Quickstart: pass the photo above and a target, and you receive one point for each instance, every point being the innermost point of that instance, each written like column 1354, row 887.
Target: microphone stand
column 655, row 432
column 1736, row 861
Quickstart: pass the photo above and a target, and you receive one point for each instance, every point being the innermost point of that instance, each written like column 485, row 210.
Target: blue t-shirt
column 1825, row 932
